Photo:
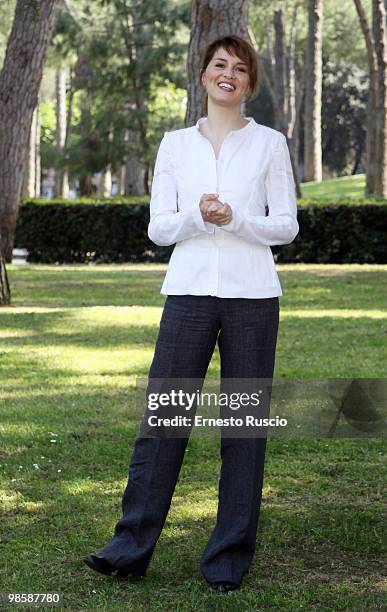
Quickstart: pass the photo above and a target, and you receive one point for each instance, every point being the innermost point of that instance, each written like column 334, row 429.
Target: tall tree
column 376, row 141
column 128, row 49
column 20, row 80
column 210, row 19
column 284, row 78
column 61, row 174
column 38, row 169
column 31, row 176
column 344, row 116
column 105, row 179
column 137, row 41
column 313, row 89
column 85, row 74
column 5, row 291
column 380, row 35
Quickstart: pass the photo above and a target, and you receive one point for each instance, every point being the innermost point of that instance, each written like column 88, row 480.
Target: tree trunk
column 121, row 180
column 86, row 185
column 313, row 90
column 38, row 169
column 105, row 181
column 210, row 19
column 295, row 141
column 371, row 135
column 376, row 105
column 380, row 36
column 5, row 292
column 85, row 180
column 69, row 122
column 134, row 168
column 61, row 174
column 280, row 78
column 83, row 72
column 134, row 176
column 137, row 41
column 30, row 166
column 20, row 80
column 121, row 174
column 283, row 88
column 292, row 92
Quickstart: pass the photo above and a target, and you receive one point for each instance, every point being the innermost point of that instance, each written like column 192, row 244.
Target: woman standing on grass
column 212, row 184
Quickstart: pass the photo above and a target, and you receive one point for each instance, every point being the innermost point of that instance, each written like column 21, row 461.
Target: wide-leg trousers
column 246, row 332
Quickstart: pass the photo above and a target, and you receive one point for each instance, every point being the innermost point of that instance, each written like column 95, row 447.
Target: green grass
column 71, row 346
column 333, row 189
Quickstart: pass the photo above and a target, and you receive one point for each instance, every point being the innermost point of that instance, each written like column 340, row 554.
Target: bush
column 116, row 231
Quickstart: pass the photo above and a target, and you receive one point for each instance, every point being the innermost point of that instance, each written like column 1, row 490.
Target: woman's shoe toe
column 103, row 566
column 99, row 564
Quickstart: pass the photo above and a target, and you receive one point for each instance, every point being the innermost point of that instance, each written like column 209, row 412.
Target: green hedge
column 71, row 232
column 116, row 231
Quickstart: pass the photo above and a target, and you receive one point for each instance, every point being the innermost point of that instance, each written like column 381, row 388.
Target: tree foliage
column 102, row 40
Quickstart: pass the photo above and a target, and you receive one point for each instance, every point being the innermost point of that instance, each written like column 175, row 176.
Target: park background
column 87, row 90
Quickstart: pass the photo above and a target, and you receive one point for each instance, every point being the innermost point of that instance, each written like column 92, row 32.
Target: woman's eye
column 222, row 66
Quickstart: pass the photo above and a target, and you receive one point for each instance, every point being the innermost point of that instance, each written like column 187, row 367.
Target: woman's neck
column 222, row 120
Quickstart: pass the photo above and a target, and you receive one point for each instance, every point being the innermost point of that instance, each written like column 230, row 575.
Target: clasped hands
column 213, row 210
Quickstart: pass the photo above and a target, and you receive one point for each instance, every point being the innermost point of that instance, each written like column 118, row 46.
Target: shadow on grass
column 303, row 539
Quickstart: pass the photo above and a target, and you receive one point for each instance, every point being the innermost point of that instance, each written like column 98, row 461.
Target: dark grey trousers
column 246, row 331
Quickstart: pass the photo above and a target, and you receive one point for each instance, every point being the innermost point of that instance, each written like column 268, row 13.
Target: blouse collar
column 240, row 131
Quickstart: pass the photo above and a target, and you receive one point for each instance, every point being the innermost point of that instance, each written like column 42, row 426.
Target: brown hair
column 234, row 45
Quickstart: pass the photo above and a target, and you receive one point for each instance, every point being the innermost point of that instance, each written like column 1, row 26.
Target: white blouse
column 233, row 260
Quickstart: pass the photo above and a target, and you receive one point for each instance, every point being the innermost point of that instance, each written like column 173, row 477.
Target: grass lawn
column 333, row 189
column 71, row 346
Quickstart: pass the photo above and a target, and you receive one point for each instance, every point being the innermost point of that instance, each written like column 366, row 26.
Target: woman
column 212, row 184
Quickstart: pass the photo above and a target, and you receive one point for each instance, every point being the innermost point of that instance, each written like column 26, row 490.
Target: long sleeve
column 168, row 225
column 280, row 226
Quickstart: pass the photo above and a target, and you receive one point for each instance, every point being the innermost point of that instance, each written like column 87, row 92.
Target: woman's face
column 228, row 70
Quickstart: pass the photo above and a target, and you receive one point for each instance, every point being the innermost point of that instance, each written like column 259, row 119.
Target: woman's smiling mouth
column 226, row 86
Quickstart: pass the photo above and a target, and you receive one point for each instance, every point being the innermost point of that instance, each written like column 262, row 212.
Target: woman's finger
column 213, row 207
column 216, row 212
column 209, row 196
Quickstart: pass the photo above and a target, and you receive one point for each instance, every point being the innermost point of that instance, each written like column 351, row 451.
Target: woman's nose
column 228, row 75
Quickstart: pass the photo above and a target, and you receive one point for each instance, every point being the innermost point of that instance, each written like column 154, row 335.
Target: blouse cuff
column 200, row 223
column 234, row 223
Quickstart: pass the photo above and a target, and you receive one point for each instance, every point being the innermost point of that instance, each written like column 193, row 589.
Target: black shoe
column 103, row 566
column 223, row 586
column 99, row 564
